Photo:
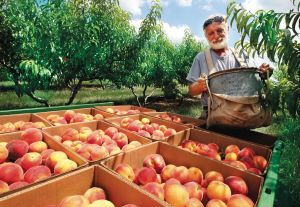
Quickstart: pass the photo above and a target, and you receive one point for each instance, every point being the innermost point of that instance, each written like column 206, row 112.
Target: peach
column 94, row 138
column 19, row 124
column 98, row 152
column 31, row 135
column 181, row 173
column 31, row 159
column 169, row 132
column 232, row 148
column 16, row 149
column 246, row 151
column 144, row 133
column 38, row 146
column 95, row 193
column 74, row 201
column 167, row 172
column 202, row 148
column 255, row 170
column 213, row 154
column 70, row 134
column 110, row 131
column 8, row 127
column 156, row 161
column 171, row 181
column 146, row 175
column 162, row 128
column 68, row 115
column 195, row 174
column 17, row 185
column 114, row 151
column 38, row 125
column 78, row 117
column 189, row 144
column 218, row 190
column 45, row 154
column 238, row 200
column 247, row 161
column 216, row 203
column 238, row 164
column 194, row 202
column 53, row 118
column 231, row 156
column 63, row 166
column 155, row 189
column 145, row 121
column 213, row 175
column 128, row 147
column 57, row 138
column 213, row 146
column 157, row 135
column 102, row 203
column 132, row 111
column 237, row 185
column 176, row 119
column 155, row 126
column 3, row 187
column 194, row 190
column 54, row 157
column 135, row 143
column 126, row 171
column 60, row 121
column 27, row 125
column 98, row 117
column 120, row 138
column 176, row 195
column 3, row 154
column 149, row 128
column 11, row 172
column 37, row 173
column 110, row 110
column 135, row 126
column 3, row 144
column 260, row 162
column 125, row 122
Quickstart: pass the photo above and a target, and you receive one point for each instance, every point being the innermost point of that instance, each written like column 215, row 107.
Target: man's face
column 217, row 35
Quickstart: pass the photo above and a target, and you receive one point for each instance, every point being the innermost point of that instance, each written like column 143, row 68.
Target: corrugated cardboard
column 180, row 129
column 51, row 145
column 50, row 193
column 223, row 141
column 187, row 120
column 178, row 157
column 23, row 117
column 91, row 111
column 124, row 108
column 248, row 135
column 94, row 125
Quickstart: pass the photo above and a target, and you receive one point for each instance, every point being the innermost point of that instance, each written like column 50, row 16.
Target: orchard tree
column 275, row 35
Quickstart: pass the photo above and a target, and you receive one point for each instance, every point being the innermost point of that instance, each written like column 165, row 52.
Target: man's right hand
column 198, row 87
column 202, row 84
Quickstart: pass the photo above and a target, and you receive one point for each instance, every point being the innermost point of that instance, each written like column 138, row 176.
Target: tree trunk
column 74, row 92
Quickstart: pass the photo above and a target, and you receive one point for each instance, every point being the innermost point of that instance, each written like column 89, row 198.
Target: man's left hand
column 264, row 69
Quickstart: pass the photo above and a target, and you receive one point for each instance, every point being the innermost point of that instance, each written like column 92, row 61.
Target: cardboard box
column 51, row 145
column 88, row 111
column 59, row 130
column 223, row 141
column 180, row 129
column 54, row 191
column 124, row 109
column 22, row 117
column 247, row 135
column 178, row 157
column 186, row 120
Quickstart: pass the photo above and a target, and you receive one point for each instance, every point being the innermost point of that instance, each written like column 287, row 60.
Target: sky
column 177, row 15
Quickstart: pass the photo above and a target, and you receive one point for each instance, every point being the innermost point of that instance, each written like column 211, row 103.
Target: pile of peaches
column 97, row 144
column 20, row 126
column 122, row 112
column 173, row 118
column 71, row 116
column 245, row 158
column 93, row 197
column 28, row 160
column 187, row 187
column 147, row 129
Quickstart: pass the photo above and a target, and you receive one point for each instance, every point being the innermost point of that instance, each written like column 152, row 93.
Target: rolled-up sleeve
column 195, row 71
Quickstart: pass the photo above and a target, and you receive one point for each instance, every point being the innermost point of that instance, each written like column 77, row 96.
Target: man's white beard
column 219, row 45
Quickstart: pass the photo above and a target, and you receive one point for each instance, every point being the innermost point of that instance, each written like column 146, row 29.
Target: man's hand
column 264, row 69
column 201, row 84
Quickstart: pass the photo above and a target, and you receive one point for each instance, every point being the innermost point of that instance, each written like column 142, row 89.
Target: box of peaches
column 150, row 127
column 183, row 179
column 63, row 117
column 92, row 186
column 123, row 110
column 30, row 157
column 229, row 150
column 20, row 122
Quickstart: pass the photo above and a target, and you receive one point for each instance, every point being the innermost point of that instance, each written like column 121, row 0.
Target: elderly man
column 217, row 58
